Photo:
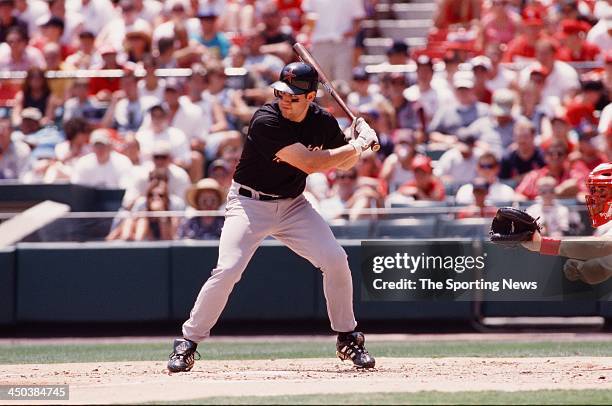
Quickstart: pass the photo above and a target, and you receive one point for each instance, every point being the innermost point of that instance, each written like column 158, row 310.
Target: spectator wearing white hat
column 449, row 119
column 177, row 178
column 103, row 168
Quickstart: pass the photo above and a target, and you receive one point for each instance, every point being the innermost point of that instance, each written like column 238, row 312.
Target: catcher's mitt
column 511, row 226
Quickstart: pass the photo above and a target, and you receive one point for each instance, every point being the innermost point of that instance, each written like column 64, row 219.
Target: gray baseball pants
column 296, row 224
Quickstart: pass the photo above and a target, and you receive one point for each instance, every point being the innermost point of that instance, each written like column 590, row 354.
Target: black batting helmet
column 297, row 78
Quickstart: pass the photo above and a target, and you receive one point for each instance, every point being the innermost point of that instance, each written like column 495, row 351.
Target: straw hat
column 203, row 184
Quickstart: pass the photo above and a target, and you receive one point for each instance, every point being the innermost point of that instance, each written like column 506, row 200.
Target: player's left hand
column 511, row 226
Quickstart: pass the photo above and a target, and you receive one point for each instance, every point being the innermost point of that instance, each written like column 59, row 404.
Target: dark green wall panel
column 7, row 286
column 277, row 284
column 92, row 282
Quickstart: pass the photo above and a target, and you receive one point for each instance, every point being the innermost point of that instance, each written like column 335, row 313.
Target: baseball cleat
column 351, row 347
column 183, row 356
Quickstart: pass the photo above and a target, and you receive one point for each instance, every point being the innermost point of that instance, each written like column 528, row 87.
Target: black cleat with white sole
column 183, row 356
column 350, row 346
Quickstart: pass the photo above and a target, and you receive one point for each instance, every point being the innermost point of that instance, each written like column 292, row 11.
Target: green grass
column 32, row 354
column 542, row 397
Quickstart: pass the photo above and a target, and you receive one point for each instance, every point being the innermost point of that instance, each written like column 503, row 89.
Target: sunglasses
column 556, row 154
column 158, row 195
column 159, row 157
column 487, row 166
column 279, row 95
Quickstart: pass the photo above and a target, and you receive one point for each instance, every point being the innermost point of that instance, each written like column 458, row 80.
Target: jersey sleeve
column 268, row 136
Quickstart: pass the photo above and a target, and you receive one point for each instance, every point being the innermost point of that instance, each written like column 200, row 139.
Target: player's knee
column 334, row 260
column 227, row 275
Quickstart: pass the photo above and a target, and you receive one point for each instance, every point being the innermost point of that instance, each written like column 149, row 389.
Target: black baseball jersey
column 269, row 132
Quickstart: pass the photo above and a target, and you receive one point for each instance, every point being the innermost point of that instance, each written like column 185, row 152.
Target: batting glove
column 366, row 136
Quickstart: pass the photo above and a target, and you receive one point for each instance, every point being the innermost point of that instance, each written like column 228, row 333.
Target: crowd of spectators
column 509, row 101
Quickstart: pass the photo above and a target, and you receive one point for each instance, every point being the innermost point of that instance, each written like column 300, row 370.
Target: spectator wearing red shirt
column 559, row 132
column 570, row 176
column 97, row 84
column 523, row 46
column 452, row 12
column 424, row 186
column 574, row 47
column 52, row 30
column 292, row 10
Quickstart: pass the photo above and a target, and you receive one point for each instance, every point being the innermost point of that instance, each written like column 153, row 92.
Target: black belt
column 247, row 193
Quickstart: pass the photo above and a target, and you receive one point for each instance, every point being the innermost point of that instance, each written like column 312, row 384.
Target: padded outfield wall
column 108, row 282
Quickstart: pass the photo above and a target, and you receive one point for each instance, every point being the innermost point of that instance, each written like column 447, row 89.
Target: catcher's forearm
column 580, row 248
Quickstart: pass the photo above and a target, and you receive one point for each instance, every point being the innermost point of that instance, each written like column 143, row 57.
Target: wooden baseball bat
column 307, row 57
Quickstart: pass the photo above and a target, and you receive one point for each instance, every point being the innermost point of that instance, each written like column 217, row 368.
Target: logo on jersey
column 608, row 214
column 310, row 148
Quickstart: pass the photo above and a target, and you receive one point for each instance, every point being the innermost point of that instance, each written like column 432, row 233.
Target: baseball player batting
column 590, row 258
column 287, row 140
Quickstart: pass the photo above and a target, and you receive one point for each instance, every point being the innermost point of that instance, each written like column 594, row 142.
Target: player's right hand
column 571, row 269
column 366, row 136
